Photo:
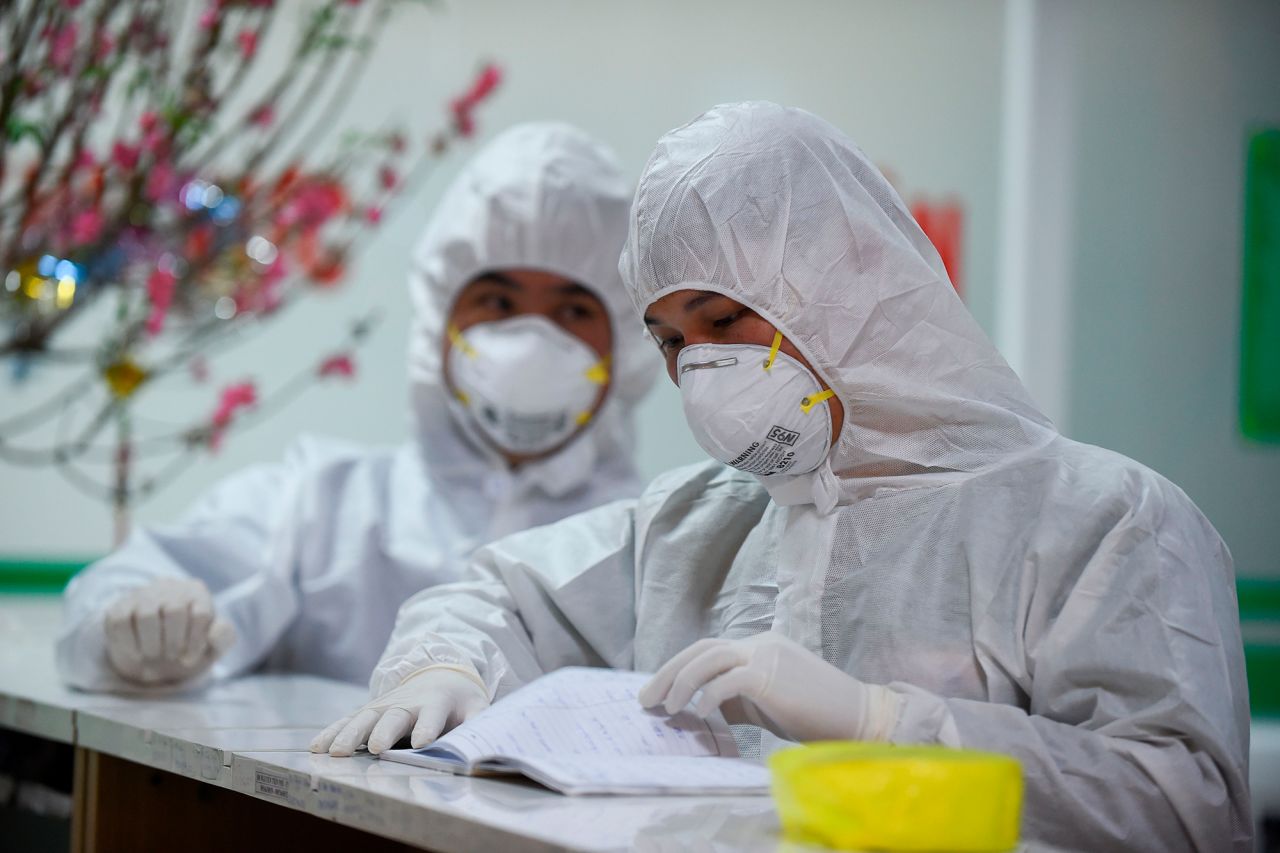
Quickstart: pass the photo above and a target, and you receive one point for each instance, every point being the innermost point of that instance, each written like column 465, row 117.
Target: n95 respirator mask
column 523, row 383
column 755, row 408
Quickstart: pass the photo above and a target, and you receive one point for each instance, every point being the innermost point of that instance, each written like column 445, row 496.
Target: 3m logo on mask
column 783, row 436
column 769, row 457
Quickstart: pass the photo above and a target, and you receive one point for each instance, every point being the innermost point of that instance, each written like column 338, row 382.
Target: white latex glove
column 430, row 702
column 801, row 696
column 165, row 633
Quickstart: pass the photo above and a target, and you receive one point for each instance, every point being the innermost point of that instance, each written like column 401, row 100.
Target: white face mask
column 755, row 408
column 524, row 383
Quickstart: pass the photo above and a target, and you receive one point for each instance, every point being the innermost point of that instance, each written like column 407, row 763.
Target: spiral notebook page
column 581, row 711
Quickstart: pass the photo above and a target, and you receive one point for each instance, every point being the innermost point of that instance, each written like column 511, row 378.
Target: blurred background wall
column 1096, row 151
column 1145, row 112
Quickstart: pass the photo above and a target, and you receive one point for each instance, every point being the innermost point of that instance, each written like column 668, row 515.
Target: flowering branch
column 193, row 255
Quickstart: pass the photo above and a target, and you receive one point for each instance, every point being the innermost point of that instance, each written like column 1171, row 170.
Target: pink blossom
column 275, row 273
column 263, row 115
column 248, row 43
column 387, row 178
column 160, row 285
column 147, row 121
column 210, row 15
column 86, row 226
column 72, row 4
column 313, row 204
column 338, row 365
column 464, row 105
column 233, row 398
column 160, row 181
column 154, row 141
column 373, row 215
column 62, row 46
column 85, row 160
column 106, row 45
column 125, row 156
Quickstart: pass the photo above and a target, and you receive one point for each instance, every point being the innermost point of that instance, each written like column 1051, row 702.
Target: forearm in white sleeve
column 553, row 596
column 234, row 541
column 1083, row 788
column 1135, row 735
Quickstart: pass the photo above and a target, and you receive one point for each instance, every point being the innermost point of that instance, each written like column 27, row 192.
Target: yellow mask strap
column 459, row 342
column 809, row 402
column 773, row 350
column 598, row 374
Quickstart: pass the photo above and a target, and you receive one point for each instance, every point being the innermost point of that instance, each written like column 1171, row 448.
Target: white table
column 250, row 736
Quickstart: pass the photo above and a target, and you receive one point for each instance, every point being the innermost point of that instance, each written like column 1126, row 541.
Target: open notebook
column 582, row 731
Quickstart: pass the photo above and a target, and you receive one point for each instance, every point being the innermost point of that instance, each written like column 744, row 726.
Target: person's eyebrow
column 699, row 300
column 691, row 305
column 498, row 279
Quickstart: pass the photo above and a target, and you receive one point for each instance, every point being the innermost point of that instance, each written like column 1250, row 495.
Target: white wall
column 917, row 84
column 1157, row 99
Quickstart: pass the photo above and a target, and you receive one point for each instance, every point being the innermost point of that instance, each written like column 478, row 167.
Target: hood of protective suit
column 778, row 210
column 540, row 196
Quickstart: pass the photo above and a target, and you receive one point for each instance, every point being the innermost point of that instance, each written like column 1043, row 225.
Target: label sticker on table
column 272, row 785
column 329, row 796
column 281, row 785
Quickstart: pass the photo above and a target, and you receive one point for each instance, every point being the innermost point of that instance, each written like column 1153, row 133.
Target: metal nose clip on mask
column 523, row 383
column 752, row 407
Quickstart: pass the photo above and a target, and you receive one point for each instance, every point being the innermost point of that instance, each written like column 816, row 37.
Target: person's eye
column 728, row 320
column 671, row 344
column 497, row 302
column 576, row 312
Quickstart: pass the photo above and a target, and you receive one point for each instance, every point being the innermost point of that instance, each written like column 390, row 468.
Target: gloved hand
column 430, row 701
column 165, row 632
column 799, row 696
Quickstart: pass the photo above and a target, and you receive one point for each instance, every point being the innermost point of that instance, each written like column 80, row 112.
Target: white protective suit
column 1022, row 592
column 310, row 559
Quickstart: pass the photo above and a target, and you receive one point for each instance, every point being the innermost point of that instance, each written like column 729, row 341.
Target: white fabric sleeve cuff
column 433, row 650
column 461, row 669
column 924, row 718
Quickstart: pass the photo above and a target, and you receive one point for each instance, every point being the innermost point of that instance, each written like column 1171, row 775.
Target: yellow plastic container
column 868, row 796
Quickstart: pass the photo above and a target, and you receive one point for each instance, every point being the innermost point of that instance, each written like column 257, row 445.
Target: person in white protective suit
column 910, row 552
column 523, row 381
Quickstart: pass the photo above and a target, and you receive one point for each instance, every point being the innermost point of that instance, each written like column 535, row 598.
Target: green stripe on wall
column 1259, row 598
column 1262, row 663
column 37, row 576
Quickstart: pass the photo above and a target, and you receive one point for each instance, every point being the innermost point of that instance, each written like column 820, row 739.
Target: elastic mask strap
column 459, row 342
column 809, row 402
column 598, row 373
column 773, row 351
